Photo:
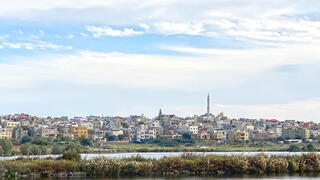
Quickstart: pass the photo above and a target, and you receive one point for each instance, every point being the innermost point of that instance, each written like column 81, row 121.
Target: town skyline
column 209, row 113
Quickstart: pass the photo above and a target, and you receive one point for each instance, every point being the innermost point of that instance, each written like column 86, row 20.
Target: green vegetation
column 57, row 149
column 187, row 164
column 32, row 149
column 39, row 146
column 164, row 142
column 6, row 147
column 71, row 155
column 185, row 145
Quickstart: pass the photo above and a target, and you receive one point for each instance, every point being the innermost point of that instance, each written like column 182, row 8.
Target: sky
column 257, row 59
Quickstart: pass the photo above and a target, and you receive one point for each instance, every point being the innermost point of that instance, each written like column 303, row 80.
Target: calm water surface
column 251, row 177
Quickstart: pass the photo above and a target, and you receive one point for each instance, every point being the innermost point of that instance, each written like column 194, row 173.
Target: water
column 250, row 177
column 156, row 155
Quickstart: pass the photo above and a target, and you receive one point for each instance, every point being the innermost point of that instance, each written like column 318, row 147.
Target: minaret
column 160, row 113
column 208, row 104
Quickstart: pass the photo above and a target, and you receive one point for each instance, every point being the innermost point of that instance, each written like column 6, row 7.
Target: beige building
column 12, row 124
column 238, row 136
column 48, row 133
column 5, row 133
column 79, row 131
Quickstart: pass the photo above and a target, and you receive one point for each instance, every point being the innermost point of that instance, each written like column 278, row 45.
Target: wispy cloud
column 263, row 20
column 306, row 110
column 70, row 36
column 84, row 34
column 38, row 45
column 176, row 28
column 28, row 46
column 102, row 31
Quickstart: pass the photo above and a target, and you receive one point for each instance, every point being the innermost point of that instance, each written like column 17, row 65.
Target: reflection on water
column 306, row 176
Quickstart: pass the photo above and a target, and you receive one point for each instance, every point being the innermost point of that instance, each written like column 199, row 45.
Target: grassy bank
column 187, row 164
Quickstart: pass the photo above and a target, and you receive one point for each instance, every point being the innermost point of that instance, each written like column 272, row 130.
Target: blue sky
column 257, row 59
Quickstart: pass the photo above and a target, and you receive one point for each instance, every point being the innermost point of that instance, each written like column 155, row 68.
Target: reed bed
column 187, row 164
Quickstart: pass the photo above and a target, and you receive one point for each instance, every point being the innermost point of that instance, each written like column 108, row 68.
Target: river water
column 250, row 177
column 156, row 155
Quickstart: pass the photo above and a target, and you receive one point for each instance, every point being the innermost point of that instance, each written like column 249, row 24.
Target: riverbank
column 186, row 164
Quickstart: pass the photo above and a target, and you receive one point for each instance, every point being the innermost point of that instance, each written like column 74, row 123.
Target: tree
column 120, row 137
column 124, row 125
column 43, row 149
column 25, row 149
column 6, row 146
column 111, row 138
column 85, row 141
column 25, row 139
column 35, row 150
column 186, row 136
column 1, row 150
column 39, row 141
column 71, row 155
column 57, row 149
column 73, row 146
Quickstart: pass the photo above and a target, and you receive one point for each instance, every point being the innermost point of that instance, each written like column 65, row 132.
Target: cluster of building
column 140, row 128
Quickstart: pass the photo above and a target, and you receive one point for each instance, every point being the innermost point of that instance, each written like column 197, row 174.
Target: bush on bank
column 187, row 164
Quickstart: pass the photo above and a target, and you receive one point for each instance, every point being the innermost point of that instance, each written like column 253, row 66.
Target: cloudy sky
column 257, row 59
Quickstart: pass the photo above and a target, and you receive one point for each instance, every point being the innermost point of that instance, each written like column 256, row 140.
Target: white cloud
column 177, row 28
column 84, row 34
column 20, row 32
column 144, row 26
column 149, row 71
column 305, row 110
column 32, row 46
column 102, row 31
column 70, row 36
column 260, row 58
column 41, row 33
column 49, row 45
column 28, row 46
column 297, row 110
column 157, row 71
column 262, row 20
column 217, row 69
column 57, row 36
column 1, row 47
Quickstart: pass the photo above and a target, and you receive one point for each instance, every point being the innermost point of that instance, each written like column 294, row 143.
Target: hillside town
column 139, row 129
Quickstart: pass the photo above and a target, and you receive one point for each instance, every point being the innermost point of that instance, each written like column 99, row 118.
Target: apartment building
column 79, row 131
